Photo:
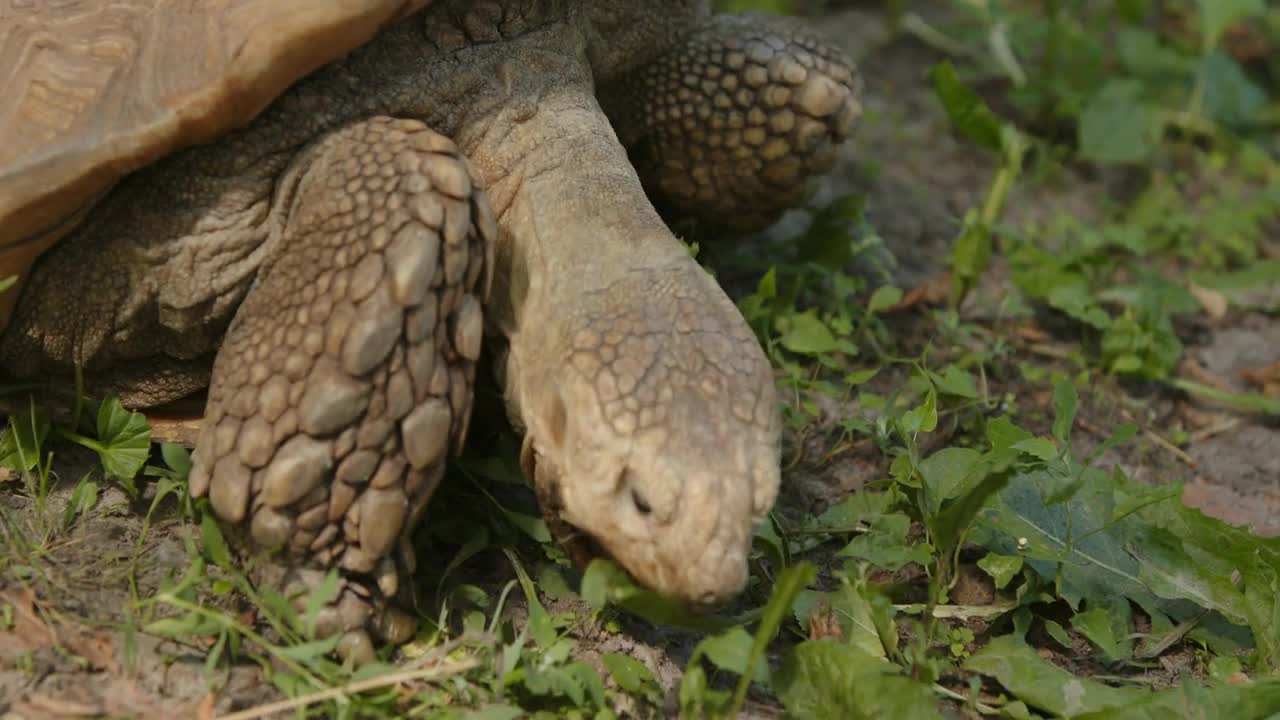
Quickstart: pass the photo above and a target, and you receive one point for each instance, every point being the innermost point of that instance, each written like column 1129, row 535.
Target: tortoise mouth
column 582, row 547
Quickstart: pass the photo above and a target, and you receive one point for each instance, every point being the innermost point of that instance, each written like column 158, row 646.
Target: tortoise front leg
column 730, row 122
column 346, row 375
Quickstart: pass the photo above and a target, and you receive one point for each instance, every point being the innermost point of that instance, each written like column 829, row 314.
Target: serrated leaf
column 124, row 440
column 923, row 417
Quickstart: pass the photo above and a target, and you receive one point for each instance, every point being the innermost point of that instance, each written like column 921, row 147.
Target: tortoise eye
column 641, row 504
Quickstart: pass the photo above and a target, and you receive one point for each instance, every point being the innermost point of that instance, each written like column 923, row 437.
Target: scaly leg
column 730, row 122
column 346, row 376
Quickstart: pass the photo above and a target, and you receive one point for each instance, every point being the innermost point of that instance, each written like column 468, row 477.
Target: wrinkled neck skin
column 647, row 405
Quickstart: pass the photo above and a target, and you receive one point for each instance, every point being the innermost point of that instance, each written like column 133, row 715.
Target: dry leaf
column 1193, row 369
column 1267, row 378
column 1213, row 303
column 824, row 623
column 933, row 290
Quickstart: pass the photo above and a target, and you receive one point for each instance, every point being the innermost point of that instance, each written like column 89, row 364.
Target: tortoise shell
column 100, row 88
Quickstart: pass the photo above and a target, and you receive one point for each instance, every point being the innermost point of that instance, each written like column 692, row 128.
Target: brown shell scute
column 100, row 88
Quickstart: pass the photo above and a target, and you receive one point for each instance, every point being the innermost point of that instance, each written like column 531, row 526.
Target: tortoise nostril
column 641, row 504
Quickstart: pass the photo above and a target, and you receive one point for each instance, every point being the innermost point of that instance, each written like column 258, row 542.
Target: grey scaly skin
column 329, row 272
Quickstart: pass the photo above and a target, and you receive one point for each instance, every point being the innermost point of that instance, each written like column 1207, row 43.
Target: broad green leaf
column 730, row 651
column 1230, row 97
column 884, row 298
column 885, row 544
column 1001, row 568
column 1074, row 298
column 630, row 674
column 951, row 524
column 1003, row 434
column 1058, row 633
column 1040, row 684
column 1256, row 700
column 1117, row 125
column 1165, row 566
column 807, row 335
column 1074, row 544
column 944, row 473
column 1065, row 403
column 956, row 382
column 968, row 113
column 215, row 546
column 124, row 439
column 825, row 679
column 1215, row 545
column 22, row 442
column 177, row 458
column 83, row 498
column 1041, row 448
column 1109, row 628
column 534, row 527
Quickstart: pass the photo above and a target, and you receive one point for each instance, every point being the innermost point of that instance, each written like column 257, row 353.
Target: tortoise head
column 655, row 441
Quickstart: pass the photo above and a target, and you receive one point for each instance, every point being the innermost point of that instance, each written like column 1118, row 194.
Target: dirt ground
column 64, row 653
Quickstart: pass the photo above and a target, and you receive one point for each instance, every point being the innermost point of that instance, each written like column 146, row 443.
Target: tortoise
column 321, row 212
